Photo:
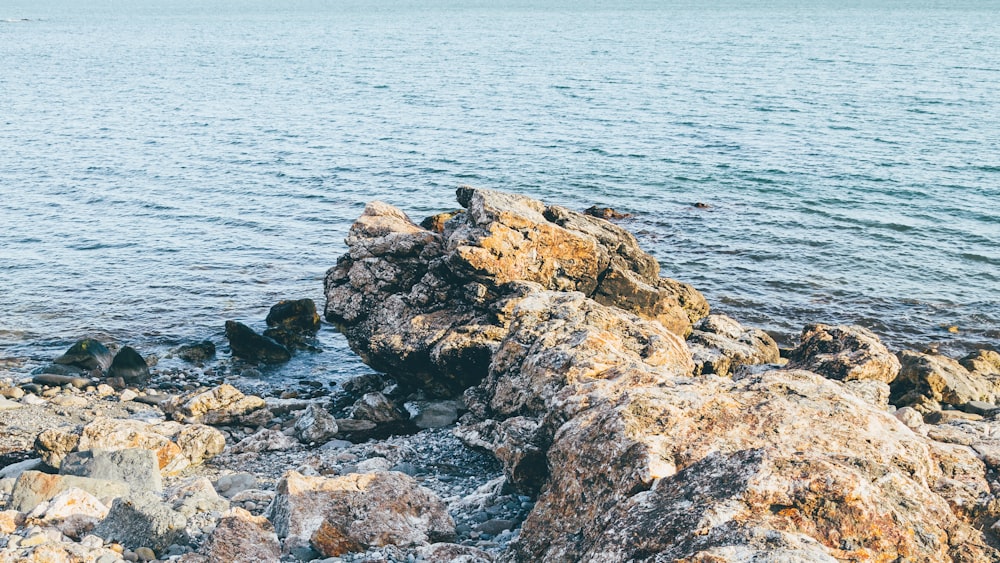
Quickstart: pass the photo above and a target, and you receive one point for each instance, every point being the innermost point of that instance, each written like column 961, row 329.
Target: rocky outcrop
column 352, row 512
column 844, row 353
column 430, row 308
column 932, row 377
column 719, row 345
column 584, row 390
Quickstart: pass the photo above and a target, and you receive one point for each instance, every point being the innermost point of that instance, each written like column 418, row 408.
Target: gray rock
column 316, row 425
column 235, row 483
column 980, row 408
column 719, row 345
column 14, row 470
column 137, row 467
column 376, row 408
column 434, row 414
column 88, row 354
column 130, row 366
column 34, row 487
column 59, row 380
column 141, row 520
column 495, row 526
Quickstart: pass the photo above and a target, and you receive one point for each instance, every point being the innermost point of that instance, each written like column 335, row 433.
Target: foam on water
column 171, row 165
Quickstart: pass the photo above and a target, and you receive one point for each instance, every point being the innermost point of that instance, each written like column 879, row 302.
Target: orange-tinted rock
column 844, row 353
column 241, row 537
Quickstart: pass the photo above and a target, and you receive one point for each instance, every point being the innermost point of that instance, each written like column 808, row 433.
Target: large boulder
column 88, row 354
column 719, row 345
column 129, row 365
column 241, row 537
column 356, row 511
column 429, row 307
column 248, row 345
column 220, row 405
column 938, row 378
column 844, row 353
column 136, row 467
column 142, row 520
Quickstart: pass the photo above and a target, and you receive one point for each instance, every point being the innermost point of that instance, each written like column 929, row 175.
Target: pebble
column 145, row 554
column 128, row 395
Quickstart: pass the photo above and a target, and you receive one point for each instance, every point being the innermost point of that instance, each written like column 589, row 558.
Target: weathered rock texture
column 844, row 353
column 429, row 307
column 588, row 398
column 719, row 345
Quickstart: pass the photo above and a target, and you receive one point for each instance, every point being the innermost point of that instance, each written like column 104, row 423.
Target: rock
column 947, row 416
column 250, row 346
column 199, row 442
column 34, row 487
column 232, row 484
column 60, row 380
column 241, row 537
column 130, row 366
column 454, row 284
column 128, row 395
column 265, row 440
column 195, row 495
column 872, row 391
column 452, row 553
column 341, row 514
column 434, row 414
column 298, row 315
column 605, row 213
column 10, row 520
column 73, row 511
column 984, row 363
column 8, row 405
column 54, row 444
column 910, row 417
column 495, row 526
column 315, row 425
column 70, row 401
column 981, row 408
column 937, row 378
column 141, row 520
column 844, row 353
column 377, row 408
column 88, row 354
column 14, row 470
column 222, row 405
column 197, row 353
column 52, row 552
column 145, row 554
column 136, row 467
column 355, row 430
column 719, row 345
column 436, row 222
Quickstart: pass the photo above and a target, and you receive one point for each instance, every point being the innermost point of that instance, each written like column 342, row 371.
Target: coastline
column 592, row 386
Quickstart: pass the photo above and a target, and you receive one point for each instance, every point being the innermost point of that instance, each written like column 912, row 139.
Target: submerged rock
column 248, row 345
column 605, row 213
column 294, row 324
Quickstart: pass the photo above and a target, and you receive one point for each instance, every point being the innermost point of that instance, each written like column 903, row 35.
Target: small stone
column 127, row 395
column 105, row 390
column 145, row 554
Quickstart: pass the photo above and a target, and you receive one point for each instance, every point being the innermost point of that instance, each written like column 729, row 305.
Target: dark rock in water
column 60, row 380
column 247, row 344
column 64, row 370
column 700, row 205
column 605, row 213
column 293, row 339
column 196, row 353
column 88, row 354
column 130, row 366
column 436, row 222
column 296, row 316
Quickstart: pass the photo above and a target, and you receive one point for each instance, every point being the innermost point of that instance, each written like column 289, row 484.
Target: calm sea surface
column 165, row 166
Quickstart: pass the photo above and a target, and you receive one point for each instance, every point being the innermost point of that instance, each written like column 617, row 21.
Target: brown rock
column 984, row 363
column 937, row 378
column 844, row 353
column 222, row 405
column 241, row 537
column 54, row 444
column 719, row 345
column 373, row 509
column 10, row 520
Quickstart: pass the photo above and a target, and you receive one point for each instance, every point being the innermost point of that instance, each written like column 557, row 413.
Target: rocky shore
column 547, row 396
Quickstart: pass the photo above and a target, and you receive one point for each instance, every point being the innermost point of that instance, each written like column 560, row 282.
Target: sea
column 168, row 165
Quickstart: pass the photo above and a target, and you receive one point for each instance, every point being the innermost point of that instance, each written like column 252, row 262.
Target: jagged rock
column 983, row 362
column 293, row 324
column 356, row 430
column 937, row 378
column 176, row 445
column 357, row 511
column 130, row 366
column 316, row 425
column 436, row 222
column 248, row 345
column 88, row 354
column 74, row 512
column 265, row 440
column 871, row 391
column 377, row 408
column 719, row 345
column 222, row 405
column 35, row 487
column 430, row 306
column 241, row 537
column 195, row 495
column 198, row 352
column 605, row 213
column 142, row 520
column 844, row 353
column 136, row 467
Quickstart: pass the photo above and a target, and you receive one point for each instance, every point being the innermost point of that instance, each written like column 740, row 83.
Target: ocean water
column 168, row 165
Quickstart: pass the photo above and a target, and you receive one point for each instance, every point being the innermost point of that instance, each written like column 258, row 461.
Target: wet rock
column 197, row 353
column 937, row 378
column 250, row 346
column 222, row 405
column 844, row 353
column 136, row 467
column 605, row 213
column 293, row 324
column 88, row 354
column 356, row 511
column 241, row 537
column 316, row 425
column 34, row 487
column 60, row 380
column 142, row 520
column 719, row 345
column 130, row 366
